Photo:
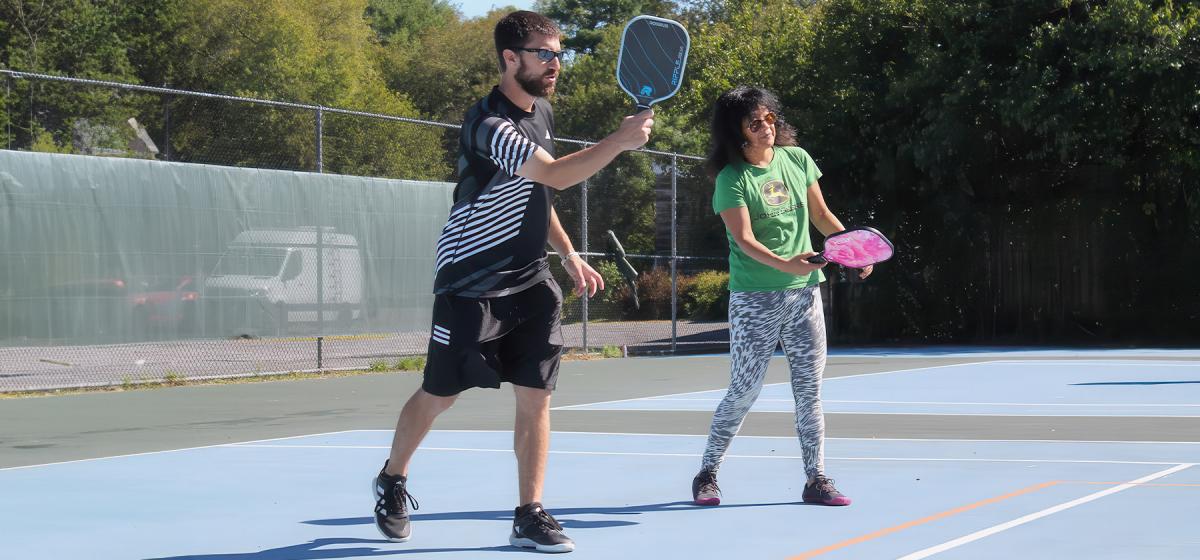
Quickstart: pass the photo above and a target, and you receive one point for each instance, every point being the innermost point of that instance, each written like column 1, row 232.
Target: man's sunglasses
column 544, row 55
column 756, row 124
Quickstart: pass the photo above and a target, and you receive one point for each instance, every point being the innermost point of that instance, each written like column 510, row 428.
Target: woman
column 767, row 194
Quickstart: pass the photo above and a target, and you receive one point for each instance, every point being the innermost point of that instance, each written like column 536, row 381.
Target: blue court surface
column 1143, row 388
column 618, row 496
column 627, row 495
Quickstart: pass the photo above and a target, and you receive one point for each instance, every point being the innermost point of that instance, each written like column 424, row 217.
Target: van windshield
column 251, row 261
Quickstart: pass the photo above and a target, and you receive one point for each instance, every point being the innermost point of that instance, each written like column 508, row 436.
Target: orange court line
column 922, row 521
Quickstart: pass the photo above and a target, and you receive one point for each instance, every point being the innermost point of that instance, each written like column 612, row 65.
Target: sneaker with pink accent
column 704, row 489
column 822, row 491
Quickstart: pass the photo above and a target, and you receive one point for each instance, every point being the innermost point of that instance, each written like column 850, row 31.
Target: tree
column 445, row 69
column 585, row 23
column 398, row 21
column 312, row 51
column 108, row 40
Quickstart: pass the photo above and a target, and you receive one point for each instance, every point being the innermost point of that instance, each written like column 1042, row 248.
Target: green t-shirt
column 776, row 198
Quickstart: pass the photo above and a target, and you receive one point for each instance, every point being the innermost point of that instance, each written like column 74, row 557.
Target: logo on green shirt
column 775, row 192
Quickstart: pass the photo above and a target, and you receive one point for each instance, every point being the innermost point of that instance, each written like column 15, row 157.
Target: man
column 497, row 311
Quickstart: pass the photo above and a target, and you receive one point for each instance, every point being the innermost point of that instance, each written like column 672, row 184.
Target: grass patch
column 171, row 378
column 606, row 352
column 175, row 379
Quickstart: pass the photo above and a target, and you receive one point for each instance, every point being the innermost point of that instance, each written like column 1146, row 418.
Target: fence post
column 320, row 231
column 166, row 147
column 320, row 139
column 674, row 253
column 583, row 236
column 7, row 111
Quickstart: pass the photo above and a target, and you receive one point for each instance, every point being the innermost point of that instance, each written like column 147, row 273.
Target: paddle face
column 857, row 248
column 652, row 59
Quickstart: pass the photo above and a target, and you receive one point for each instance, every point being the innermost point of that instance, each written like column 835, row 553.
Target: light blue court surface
column 618, row 496
column 1161, row 388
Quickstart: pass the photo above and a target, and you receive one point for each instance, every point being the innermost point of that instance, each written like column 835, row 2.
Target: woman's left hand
column 866, row 271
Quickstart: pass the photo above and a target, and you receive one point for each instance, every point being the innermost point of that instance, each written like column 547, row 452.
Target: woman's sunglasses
column 544, row 55
column 757, row 124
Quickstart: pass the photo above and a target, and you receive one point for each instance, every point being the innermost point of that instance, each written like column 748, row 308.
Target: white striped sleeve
column 500, row 142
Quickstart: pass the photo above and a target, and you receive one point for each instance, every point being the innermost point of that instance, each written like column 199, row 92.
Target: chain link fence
column 304, row 241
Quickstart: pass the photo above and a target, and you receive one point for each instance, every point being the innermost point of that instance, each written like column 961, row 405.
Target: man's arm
column 587, row 280
column 574, row 168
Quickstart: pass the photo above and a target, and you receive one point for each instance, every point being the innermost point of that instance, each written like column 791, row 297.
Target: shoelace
column 545, row 519
column 399, row 495
column 708, row 482
column 825, row 485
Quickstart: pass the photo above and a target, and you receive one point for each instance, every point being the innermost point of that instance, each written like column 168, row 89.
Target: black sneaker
column 391, row 506
column 822, row 491
column 705, row 491
column 533, row 527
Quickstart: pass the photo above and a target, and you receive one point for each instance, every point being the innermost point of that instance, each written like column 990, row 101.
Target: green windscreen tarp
column 109, row 250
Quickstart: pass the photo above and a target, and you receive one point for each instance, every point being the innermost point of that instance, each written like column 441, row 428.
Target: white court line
column 730, row 456
column 740, row 436
column 697, row 436
column 941, row 402
column 174, row 450
column 1040, row 514
column 1109, row 363
column 826, row 380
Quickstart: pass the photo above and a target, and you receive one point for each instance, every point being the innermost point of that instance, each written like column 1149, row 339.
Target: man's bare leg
column 531, row 441
column 416, row 418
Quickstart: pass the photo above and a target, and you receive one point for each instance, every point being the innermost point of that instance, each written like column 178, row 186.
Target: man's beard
column 534, row 86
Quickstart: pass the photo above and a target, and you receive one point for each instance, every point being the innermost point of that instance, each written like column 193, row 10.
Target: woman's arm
column 819, row 214
column 737, row 220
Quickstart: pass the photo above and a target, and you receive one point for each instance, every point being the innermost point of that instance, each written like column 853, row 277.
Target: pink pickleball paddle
column 856, row 248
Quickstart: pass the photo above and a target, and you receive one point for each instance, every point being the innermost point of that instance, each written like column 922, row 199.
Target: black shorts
column 481, row 342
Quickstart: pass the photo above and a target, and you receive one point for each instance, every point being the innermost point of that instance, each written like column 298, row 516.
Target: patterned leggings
column 759, row 321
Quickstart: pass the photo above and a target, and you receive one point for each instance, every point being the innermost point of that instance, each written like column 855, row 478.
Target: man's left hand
column 587, row 280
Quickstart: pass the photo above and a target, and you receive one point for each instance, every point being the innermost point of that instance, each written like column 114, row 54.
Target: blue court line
column 994, row 388
column 307, row 497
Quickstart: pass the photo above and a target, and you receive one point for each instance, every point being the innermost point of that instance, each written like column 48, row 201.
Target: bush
column 706, row 296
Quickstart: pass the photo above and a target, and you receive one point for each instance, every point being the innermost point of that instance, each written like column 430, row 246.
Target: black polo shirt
column 494, row 242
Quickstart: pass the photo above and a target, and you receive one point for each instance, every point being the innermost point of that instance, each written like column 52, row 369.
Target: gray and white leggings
column 758, row 321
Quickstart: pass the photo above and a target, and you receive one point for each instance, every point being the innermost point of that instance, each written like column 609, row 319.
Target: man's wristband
column 564, row 259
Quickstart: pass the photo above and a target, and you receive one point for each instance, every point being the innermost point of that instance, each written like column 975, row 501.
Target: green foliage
column 445, row 69
column 585, row 23
column 410, row 363
column 313, row 51
column 706, row 295
column 398, row 21
column 44, row 141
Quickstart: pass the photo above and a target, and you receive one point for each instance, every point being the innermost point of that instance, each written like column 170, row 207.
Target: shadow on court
column 312, row 551
column 559, row 513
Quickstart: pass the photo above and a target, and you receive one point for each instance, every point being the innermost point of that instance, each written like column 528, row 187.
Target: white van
column 266, row 281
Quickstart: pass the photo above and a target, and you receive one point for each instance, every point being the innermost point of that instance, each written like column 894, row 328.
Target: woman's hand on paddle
column 800, row 266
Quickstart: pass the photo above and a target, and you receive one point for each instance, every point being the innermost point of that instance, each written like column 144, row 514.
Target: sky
column 476, row 8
